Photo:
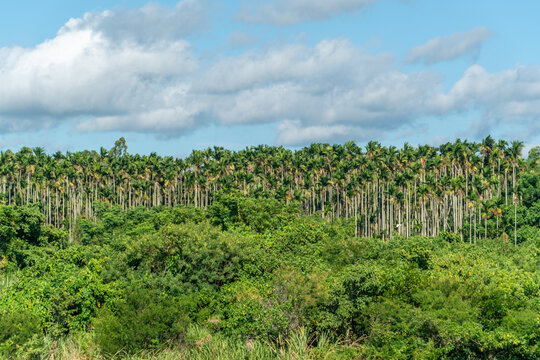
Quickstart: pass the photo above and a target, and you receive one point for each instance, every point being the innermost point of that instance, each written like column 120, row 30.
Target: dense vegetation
column 269, row 269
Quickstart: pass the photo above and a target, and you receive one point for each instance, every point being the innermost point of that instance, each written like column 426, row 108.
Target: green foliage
column 52, row 236
column 144, row 319
column 191, row 283
column 19, row 222
column 179, row 215
column 450, row 237
column 534, row 157
column 196, row 254
column 65, row 291
column 528, row 233
column 272, row 309
column 17, row 330
column 493, row 308
column 258, row 214
column 418, row 255
column 529, row 188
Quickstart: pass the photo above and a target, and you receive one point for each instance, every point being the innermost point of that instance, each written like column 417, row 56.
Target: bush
column 450, row 237
column 64, row 290
column 257, row 214
column 17, row 329
column 53, row 236
column 528, row 233
column 197, row 254
column 272, row 309
column 493, row 308
column 179, row 215
column 145, row 319
column 21, row 223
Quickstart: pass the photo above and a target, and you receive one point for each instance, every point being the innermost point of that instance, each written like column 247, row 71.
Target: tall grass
column 6, row 280
column 200, row 344
column 80, row 346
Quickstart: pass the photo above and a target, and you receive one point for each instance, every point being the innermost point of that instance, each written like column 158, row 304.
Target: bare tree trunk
column 515, row 221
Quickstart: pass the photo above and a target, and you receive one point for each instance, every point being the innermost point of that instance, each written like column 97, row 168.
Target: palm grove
column 459, row 187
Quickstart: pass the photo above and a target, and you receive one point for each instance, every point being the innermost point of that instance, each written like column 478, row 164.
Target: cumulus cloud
column 86, row 71
column 329, row 59
column 333, row 85
column 449, row 47
column 161, row 87
column 287, row 12
column 510, row 98
column 335, row 90
column 104, row 80
column 82, row 74
column 512, row 94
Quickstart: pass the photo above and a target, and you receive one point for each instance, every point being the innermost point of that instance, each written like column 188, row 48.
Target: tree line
column 465, row 188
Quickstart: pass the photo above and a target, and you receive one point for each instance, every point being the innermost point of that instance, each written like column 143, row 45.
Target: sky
column 173, row 76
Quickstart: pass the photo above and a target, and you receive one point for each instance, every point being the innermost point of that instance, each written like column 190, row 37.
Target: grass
column 200, row 344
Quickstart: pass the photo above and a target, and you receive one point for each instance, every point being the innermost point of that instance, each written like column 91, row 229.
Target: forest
column 325, row 252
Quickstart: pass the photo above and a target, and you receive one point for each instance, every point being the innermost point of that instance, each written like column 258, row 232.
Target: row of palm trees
column 457, row 187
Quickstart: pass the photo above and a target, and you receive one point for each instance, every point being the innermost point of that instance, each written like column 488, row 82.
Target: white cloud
column 150, row 23
column 330, row 88
column 332, row 60
column 161, row 88
column 295, row 133
column 449, row 47
column 104, row 80
column 511, row 94
column 176, row 119
column 508, row 99
column 286, row 12
column 85, row 72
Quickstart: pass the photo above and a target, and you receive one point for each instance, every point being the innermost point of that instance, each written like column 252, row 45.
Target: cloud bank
column 102, row 79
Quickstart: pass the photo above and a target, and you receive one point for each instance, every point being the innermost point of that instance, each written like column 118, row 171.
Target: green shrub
column 53, row 236
column 232, row 210
column 199, row 255
column 21, row 224
column 528, row 233
column 63, row 290
column 450, row 236
column 493, row 308
column 17, row 330
column 145, row 319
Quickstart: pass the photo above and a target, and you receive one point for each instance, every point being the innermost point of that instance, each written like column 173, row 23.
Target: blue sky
column 172, row 76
